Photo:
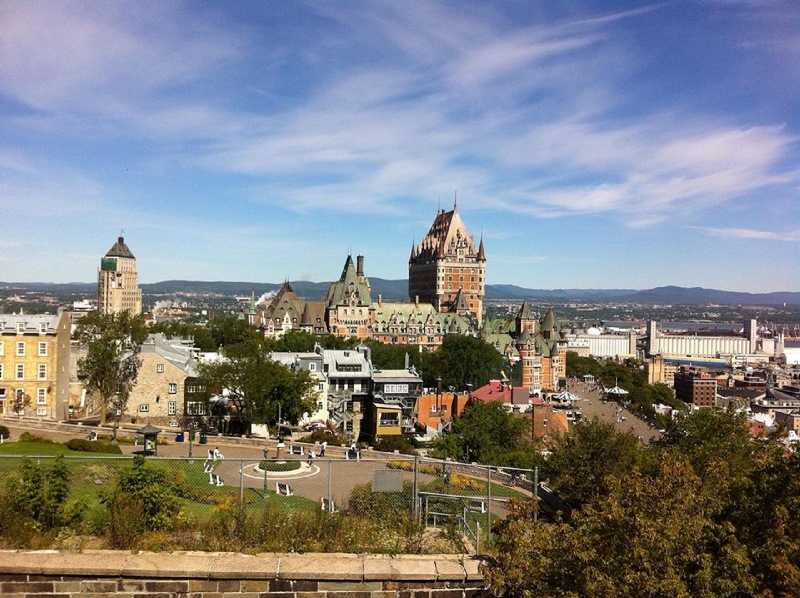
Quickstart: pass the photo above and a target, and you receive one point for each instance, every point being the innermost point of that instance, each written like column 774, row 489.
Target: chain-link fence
column 462, row 498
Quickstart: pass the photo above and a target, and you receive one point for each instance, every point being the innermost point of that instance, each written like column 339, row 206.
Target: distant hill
column 397, row 290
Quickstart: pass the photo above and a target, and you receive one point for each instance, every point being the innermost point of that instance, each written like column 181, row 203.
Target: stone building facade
column 34, row 365
column 168, row 369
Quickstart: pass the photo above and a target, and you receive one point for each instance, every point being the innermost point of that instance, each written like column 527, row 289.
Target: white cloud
column 750, row 234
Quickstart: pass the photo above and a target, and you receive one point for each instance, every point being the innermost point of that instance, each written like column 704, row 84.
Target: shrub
column 280, row 465
column 96, row 446
column 363, row 501
column 5, row 433
column 28, row 437
column 41, row 494
column 390, row 444
column 151, row 486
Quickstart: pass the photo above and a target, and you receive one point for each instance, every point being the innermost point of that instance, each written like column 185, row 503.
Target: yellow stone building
column 34, row 365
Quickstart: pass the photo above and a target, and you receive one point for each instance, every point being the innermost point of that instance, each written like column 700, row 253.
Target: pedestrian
column 311, row 456
column 322, row 448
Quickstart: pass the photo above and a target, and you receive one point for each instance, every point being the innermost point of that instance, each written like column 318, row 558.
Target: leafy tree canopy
column 258, row 387
column 585, row 461
column 460, row 361
column 111, row 363
column 487, row 433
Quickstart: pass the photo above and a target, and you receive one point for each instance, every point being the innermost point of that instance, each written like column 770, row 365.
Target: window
column 42, row 371
column 41, row 411
column 321, row 387
column 1, row 371
column 173, row 388
column 42, row 349
column 144, row 408
column 159, row 368
column 389, row 420
column 20, row 327
column 2, row 393
column 20, row 371
column 312, row 367
column 21, row 349
column 171, row 408
column 2, row 348
column 195, row 408
column 41, row 396
column 42, row 327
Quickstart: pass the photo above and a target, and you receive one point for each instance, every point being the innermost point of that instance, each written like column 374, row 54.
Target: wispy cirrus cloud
column 748, row 234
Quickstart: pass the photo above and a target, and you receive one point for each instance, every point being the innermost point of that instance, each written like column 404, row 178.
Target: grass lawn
column 93, row 473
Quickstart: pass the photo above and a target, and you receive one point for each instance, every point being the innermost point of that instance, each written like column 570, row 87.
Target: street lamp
column 266, row 454
column 116, row 420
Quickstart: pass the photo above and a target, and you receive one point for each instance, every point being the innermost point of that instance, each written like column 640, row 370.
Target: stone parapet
column 117, row 574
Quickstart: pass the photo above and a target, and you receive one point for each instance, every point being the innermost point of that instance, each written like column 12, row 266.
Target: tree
column 649, row 536
column 111, row 364
column 460, row 361
column 258, row 387
column 584, row 461
column 487, row 433
column 231, row 330
column 22, row 400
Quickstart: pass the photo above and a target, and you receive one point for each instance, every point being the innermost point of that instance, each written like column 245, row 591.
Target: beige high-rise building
column 117, row 281
column 447, row 270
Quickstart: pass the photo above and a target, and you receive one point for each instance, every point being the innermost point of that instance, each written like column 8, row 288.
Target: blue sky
column 591, row 144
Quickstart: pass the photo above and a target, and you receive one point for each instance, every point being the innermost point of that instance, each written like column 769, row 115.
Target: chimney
column 380, row 300
column 360, row 266
column 416, row 300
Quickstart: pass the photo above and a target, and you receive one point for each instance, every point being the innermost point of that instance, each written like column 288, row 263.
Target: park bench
column 296, row 449
column 283, row 489
column 327, row 505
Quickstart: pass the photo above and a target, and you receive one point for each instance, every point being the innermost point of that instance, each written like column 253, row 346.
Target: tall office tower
column 446, row 270
column 117, row 281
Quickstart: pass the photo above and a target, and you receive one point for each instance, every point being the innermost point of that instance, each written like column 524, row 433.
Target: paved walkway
column 593, row 406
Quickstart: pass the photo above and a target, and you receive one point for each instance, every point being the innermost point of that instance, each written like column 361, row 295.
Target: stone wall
column 115, row 574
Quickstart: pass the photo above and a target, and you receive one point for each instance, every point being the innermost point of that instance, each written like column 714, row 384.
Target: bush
column 28, row 437
column 148, row 489
column 93, row 446
column 5, row 433
column 389, row 444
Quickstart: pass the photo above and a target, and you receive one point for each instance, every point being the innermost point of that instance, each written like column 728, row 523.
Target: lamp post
column 116, row 420
column 266, row 454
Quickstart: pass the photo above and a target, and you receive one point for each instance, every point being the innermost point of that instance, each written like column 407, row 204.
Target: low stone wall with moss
column 115, row 574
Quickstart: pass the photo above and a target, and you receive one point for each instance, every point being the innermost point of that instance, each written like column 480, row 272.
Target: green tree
column 487, row 433
column 585, row 461
column 460, row 361
column 387, row 356
column 649, row 536
column 231, row 330
column 111, row 364
column 257, row 386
